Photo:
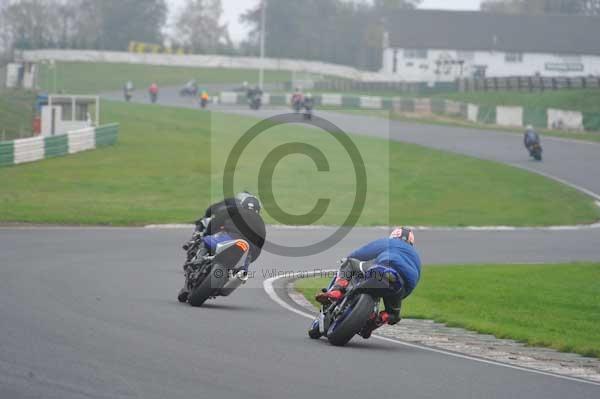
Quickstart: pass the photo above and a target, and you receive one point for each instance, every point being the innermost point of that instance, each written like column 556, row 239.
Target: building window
column 513, row 57
column 415, row 53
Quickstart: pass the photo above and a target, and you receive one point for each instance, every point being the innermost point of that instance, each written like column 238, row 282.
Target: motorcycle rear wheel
column 211, row 284
column 341, row 332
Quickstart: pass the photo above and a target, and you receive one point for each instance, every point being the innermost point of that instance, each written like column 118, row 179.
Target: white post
column 263, row 17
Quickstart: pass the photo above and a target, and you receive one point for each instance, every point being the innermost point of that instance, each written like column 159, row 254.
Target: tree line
column 536, row 7
column 338, row 31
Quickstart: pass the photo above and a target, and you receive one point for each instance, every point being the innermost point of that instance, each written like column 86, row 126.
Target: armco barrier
column 107, row 135
column 82, row 140
column 7, row 153
column 536, row 117
column 486, row 114
column 568, row 120
column 37, row 148
column 28, row 150
column 509, row 116
column 591, row 122
column 56, row 146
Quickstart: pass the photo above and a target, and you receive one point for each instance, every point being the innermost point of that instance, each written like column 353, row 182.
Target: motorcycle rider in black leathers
column 230, row 219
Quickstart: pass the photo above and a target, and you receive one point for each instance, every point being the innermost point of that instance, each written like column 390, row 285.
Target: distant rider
column 531, row 138
column 153, row 90
column 232, row 218
column 393, row 258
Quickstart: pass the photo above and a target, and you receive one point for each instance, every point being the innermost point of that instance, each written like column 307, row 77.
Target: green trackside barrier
column 56, row 146
column 537, row 117
column 387, row 103
column 591, row 122
column 438, row 106
column 407, row 105
column 277, row 99
column 107, row 135
column 350, row 102
column 486, row 114
column 7, row 153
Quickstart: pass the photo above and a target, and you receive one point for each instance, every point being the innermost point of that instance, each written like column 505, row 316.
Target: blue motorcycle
column 358, row 310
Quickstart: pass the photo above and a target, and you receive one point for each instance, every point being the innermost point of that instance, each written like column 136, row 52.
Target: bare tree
column 199, row 28
column 536, row 7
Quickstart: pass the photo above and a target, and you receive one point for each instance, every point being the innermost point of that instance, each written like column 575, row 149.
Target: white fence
column 206, row 61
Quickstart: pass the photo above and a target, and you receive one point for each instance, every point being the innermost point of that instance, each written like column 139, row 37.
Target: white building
column 441, row 46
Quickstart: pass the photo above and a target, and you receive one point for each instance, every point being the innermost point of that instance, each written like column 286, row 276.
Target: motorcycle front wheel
column 351, row 321
column 211, row 284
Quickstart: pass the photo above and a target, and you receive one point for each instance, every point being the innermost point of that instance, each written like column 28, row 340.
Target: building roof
column 472, row 31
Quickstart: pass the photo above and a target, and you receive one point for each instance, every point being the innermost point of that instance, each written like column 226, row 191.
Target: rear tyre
column 341, row 331
column 211, row 284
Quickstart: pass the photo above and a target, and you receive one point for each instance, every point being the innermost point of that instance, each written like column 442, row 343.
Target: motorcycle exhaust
column 234, row 282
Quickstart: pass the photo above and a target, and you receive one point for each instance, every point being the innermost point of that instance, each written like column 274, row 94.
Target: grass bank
column 169, row 164
column 92, row 78
column 555, row 306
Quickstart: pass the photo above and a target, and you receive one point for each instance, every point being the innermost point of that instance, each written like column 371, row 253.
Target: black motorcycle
column 255, row 102
column 217, row 275
column 308, row 109
column 357, row 312
column 535, row 151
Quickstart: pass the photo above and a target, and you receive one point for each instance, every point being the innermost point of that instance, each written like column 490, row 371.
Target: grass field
column 16, row 113
column 168, row 165
column 555, row 306
column 92, row 78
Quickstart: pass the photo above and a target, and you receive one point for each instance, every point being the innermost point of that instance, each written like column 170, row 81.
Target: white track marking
column 270, row 290
column 420, row 228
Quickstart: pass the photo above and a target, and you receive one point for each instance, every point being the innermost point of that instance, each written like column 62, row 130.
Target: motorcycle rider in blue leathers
column 530, row 138
column 233, row 218
column 395, row 259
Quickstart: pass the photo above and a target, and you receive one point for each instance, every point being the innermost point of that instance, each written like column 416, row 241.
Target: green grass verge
column 92, row 78
column 16, row 113
column 555, row 306
column 168, row 165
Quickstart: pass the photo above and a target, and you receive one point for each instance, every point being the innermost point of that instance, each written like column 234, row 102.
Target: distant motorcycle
column 297, row 102
column 204, row 100
column 219, row 275
column 341, row 321
column 189, row 90
column 308, row 105
column 255, row 101
column 535, row 151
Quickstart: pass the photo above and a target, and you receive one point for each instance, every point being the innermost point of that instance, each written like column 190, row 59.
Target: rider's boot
column 374, row 322
column 335, row 293
column 183, row 295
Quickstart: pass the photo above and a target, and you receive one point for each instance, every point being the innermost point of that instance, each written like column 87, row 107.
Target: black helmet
column 249, row 201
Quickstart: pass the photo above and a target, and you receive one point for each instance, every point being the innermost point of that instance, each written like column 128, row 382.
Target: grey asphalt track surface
column 92, row 313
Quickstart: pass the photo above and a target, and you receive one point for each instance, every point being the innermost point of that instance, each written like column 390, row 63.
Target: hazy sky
column 233, row 9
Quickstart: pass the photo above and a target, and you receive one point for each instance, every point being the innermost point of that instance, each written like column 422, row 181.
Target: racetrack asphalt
column 92, row 312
